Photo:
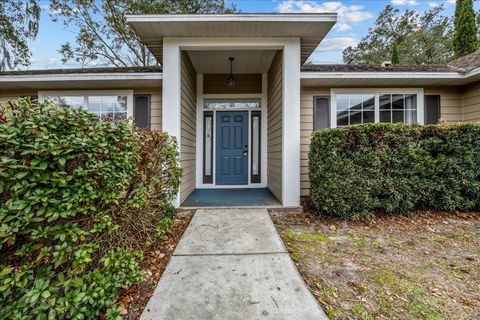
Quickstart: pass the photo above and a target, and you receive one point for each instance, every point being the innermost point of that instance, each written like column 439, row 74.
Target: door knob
column 245, row 153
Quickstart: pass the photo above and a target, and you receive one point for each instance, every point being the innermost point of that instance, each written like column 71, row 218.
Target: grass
column 425, row 266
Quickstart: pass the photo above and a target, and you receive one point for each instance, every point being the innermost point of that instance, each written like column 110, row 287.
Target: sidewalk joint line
column 226, row 254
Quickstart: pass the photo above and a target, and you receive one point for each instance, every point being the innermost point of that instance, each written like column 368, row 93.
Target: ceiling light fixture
column 231, row 78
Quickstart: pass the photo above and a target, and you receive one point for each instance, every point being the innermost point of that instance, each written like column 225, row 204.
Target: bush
column 146, row 211
column 68, row 182
column 358, row 170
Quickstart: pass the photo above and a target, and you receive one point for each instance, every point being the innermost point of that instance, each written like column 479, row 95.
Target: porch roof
column 310, row 28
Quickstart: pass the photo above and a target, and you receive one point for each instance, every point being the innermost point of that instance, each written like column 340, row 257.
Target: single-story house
column 238, row 94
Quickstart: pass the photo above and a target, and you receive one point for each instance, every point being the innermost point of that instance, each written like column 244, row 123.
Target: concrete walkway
column 231, row 264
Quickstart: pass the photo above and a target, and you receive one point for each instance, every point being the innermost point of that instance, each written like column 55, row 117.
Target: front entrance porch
column 243, row 133
column 241, row 56
column 241, row 197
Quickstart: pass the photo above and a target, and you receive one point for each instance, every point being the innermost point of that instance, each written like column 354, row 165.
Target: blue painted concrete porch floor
column 217, row 198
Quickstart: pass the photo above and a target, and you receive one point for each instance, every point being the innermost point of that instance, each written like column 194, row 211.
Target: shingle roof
column 379, row 68
column 469, row 62
column 463, row 64
column 85, row 70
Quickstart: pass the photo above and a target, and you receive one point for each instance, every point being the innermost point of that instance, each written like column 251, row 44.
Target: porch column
column 171, row 94
column 291, row 124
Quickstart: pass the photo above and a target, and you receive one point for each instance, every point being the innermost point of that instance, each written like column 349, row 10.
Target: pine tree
column 465, row 39
column 395, row 54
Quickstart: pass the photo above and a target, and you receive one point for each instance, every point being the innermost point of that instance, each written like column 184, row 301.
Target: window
column 208, row 147
column 72, row 102
column 398, row 108
column 358, row 106
column 255, row 161
column 355, row 109
column 107, row 105
column 232, row 104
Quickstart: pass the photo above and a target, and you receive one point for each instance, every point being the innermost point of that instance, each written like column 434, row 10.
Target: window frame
column 86, row 93
column 208, row 179
column 377, row 92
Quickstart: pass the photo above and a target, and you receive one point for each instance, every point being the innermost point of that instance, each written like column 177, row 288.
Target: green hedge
column 358, row 170
column 69, row 185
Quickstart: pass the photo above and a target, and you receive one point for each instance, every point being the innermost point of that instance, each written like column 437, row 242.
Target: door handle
column 245, row 153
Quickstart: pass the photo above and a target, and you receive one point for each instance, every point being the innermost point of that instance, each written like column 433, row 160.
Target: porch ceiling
column 246, row 61
column 310, row 28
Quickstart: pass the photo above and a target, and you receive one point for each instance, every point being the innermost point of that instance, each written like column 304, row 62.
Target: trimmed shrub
column 68, row 182
column 358, row 170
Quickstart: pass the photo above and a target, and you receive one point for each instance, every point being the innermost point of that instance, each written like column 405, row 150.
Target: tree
column 419, row 38
column 105, row 38
column 465, row 39
column 19, row 22
column 395, row 54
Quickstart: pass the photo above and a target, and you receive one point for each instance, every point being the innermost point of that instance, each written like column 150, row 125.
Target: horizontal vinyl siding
column 274, row 127
column 155, row 102
column 450, row 102
column 155, row 106
column 306, row 129
column 6, row 96
column 471, row 103
column 188, row 128
column 451, row 108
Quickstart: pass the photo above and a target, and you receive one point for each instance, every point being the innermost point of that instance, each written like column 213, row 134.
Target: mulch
column 156, row 257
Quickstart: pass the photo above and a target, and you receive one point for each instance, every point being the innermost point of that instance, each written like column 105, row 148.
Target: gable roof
column 311, row 28
column 469, row 62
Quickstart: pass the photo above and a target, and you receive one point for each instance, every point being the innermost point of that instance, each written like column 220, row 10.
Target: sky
column 354, row 19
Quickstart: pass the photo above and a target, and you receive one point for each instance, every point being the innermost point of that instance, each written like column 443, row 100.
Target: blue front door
column 232, row 148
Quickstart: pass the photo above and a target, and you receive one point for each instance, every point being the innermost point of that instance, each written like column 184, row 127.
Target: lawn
column 425, row 266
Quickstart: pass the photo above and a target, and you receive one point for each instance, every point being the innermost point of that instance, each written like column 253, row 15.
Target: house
column 237, row 93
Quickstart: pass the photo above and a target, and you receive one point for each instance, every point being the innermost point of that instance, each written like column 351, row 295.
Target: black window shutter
column 141, row 111
column 432, row 109
column 321, row 113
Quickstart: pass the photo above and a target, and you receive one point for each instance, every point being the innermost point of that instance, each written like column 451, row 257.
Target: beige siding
column 244, row 83
column 450, row 102
column 471, row 103
column 155, row 102
column 274, row 127
column 155, row 106
column 306, row 126
column 451, row 106
column 6, row 96
column 188, row 127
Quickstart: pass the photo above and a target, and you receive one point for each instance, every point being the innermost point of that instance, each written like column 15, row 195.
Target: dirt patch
column 156, row 257
column 425, row 266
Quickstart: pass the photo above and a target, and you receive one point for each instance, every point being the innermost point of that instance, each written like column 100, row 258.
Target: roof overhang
column 388, row 79
column 114, row 80
column 310, row 28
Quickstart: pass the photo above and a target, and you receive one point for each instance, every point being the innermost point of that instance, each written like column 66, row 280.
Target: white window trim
column 377, row 92
column 85, row 93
